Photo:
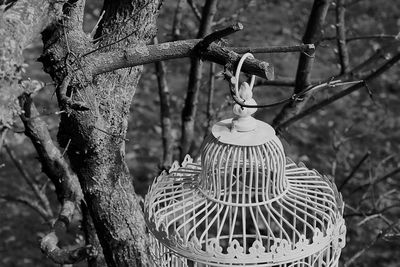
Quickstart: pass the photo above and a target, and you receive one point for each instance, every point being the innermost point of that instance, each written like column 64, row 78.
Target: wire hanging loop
column 243, row 121
column 237, row 76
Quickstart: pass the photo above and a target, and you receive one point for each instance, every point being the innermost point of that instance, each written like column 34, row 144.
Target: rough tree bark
column 95, row 119
column 20, row 23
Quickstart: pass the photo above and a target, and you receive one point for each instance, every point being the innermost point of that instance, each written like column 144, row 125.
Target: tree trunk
column 20, row 23
column 96, row 119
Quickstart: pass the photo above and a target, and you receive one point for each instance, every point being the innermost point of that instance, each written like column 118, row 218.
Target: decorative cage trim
column 180, row 193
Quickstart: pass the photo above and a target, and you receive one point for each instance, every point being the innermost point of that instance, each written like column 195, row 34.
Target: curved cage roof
column 244, row 205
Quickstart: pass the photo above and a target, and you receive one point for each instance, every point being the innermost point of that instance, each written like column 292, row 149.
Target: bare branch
column 364, row 37
column 190, row 108
column 379, row 179
column 207, row 40
column 354, row 170
column 41, row 196
column 34, row 205
column 380, row 235
column 59, row 255
column 177, row 23
column 165, row 114
column 53, row 164
column 312, row 35
column 341, row 34
column 195, row 10
column 238, row 12
column 96, row 26
column 140, row 55
column 49, row 243
column 304, row 48
column 3, row 133
column 388, row 64
column 211, row 88
column 278, row 82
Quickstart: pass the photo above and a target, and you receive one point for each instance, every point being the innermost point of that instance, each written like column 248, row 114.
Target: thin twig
column 379, row 236
column 303, row 48
column 364, row 37
column 237, row 13
column 94, row 30
column 195, row 9
column 41, row 196
column 121, row 39
column 354, row 170
column 388, row 64
column 216, row 35
column 121, row 25
column 34, row 205
column 379, row 180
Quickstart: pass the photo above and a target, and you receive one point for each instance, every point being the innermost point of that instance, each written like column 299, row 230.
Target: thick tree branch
column 312, row 35
column 19, row 25
column 140, row 55
column 49, row 243
column 59, row 255
column 53, row 163
column 65, row 180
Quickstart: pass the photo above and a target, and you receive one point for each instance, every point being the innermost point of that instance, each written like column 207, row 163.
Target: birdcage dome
column 238, row 162
column 244, row 203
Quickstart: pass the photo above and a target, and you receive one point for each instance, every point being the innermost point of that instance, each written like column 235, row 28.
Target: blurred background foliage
column 332, row 140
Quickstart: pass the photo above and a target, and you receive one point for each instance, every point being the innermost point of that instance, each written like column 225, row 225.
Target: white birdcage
column 244, row 203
